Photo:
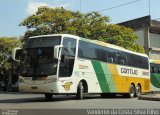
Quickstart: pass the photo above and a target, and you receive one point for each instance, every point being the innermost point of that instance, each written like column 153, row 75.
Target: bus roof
column 49, row 35
column 92, row 41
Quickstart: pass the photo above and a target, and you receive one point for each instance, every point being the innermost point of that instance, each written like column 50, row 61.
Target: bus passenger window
column 80, row 53
column 112, row 55
column 152, row 69
column 121, row 58
column 158, row 70
column 155, row 70
column 110, row 60
column 121, row 62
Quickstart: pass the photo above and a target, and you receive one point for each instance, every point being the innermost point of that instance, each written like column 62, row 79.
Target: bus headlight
column 51, row 80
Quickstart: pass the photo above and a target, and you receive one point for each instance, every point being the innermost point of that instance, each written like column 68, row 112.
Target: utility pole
column 80, row 5
column 149, row 6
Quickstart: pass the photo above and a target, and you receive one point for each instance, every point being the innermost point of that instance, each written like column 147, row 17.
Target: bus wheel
column 131, row 91
column 80, row 91
column 48, row 96
column 138, row 90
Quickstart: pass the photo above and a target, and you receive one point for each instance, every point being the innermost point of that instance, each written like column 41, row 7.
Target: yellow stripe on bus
column 123, row 83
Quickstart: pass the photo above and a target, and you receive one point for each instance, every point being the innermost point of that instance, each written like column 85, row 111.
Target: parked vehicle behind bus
column 155, row 75
column 68, row 64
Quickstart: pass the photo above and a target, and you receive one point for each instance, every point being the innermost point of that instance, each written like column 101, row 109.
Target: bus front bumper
column 40, row 88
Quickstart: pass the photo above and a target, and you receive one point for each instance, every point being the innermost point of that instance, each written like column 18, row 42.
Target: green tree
column 6, row 46
column 48, row 21
column 91, row 25
column 124, row 37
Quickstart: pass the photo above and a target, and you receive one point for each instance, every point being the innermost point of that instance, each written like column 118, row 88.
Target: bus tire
column 48, row 96
column 138, row 90
column 80, row 91
column 131, row 91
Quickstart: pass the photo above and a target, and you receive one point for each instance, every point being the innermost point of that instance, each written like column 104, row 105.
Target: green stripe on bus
column 100, row 76
column 109, row 77
column 155, row 80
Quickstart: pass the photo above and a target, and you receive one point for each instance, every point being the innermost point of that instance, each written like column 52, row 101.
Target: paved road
column 37, row 101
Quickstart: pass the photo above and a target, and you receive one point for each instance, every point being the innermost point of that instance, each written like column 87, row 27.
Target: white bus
column 68, row 64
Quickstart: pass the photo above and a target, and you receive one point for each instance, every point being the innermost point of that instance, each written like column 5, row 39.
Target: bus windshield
column 37, row 57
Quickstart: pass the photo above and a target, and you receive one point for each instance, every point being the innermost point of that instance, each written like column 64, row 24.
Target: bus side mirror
column 56, row 51
column 16, row 53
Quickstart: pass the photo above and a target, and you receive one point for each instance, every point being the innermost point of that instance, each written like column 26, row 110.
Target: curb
column 149, row 97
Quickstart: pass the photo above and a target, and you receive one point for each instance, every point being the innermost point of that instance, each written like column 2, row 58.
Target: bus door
column 66, row 65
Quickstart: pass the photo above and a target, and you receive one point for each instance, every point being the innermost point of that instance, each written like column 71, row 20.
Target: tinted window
column 43, row 42
column 137, row 61
column 67, row 57
column 100, row 53
column 85, row 50
column 122, row 58
column 155, row 68
column 69, row 47
column 112, row 55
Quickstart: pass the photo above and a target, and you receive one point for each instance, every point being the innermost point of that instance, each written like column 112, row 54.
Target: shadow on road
column 55, row 98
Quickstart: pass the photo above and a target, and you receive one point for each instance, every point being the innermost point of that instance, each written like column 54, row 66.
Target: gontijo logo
column 129, row 71
column 132, row 72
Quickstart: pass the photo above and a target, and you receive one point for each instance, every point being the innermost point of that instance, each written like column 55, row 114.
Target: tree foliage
column 6, row 46
column 91, row 25
column 124, row 37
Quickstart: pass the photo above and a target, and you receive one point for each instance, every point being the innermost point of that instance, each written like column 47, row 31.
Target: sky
column 13, row 12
